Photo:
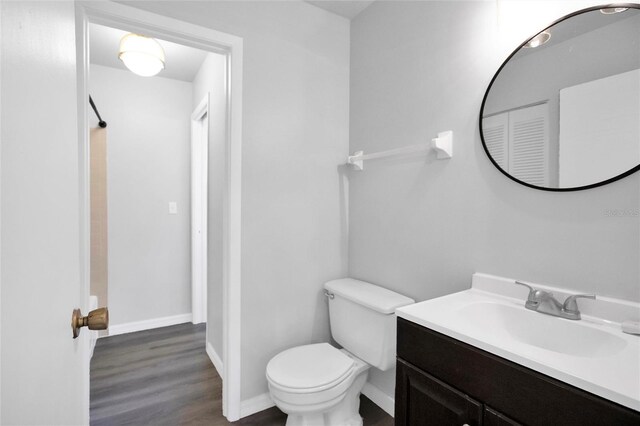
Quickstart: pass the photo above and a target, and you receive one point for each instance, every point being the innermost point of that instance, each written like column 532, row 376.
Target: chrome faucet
column 544, row 302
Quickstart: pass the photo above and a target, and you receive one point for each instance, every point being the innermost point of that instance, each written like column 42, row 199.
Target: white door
column 44, row 371
column 599, row 125
column 199, row 172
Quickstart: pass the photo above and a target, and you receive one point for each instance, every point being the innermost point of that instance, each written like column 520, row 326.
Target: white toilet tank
column 363, row 319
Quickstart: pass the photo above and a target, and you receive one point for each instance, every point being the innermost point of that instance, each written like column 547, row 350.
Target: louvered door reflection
column 518, row 141
column 496, row 138
column 529, row 144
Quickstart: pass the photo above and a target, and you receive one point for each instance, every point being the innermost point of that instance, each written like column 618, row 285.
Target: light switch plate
column 173, row 207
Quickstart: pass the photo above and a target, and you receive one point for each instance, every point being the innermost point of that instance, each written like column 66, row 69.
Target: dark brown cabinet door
column 421, row 399
column 494, row 418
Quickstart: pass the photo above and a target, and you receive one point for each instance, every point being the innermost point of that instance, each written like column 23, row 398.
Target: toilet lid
column 309, row 366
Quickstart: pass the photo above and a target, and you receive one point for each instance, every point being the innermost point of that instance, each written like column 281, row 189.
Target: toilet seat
column 309, row 369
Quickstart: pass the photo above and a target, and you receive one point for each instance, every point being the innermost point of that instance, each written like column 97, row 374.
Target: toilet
column 319, row 384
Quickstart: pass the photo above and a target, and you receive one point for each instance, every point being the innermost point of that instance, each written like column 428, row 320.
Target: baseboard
column 379, row 398
column 257, row 403
column 149, row 324
column 264, row 401
column 215, row 359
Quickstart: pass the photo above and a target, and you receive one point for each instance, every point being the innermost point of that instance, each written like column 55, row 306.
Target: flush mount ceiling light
column 539, row 40
column 142, row 55
column 612, row 10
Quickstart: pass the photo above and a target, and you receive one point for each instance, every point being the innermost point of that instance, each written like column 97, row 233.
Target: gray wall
column 148, row 163
column 422, row 226
column 295, row 136
column 211, row 78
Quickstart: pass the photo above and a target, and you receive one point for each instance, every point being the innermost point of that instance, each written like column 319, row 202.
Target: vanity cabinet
column 430, row 401
column 441, row 381
column 493, row 418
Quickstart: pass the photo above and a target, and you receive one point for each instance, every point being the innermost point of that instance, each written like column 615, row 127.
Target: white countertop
column 611, row 371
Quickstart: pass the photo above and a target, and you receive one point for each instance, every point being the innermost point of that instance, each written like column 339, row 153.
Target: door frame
column 199, row 209
column 132, row 19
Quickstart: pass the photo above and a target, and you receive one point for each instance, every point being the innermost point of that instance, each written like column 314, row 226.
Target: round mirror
column 563, row 111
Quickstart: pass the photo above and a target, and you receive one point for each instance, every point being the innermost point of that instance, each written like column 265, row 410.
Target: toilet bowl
column 317, row 385
column 320, row 385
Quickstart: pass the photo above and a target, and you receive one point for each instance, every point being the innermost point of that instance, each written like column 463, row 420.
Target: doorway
column 199, row 201
column 230, row 47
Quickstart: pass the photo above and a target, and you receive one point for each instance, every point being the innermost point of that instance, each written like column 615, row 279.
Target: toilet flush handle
column 328, row 294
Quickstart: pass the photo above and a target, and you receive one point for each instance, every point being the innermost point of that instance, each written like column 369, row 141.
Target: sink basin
column 592, row 354
column 543, row 331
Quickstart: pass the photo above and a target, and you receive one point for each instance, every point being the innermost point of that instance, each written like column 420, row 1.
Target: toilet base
column 321, row 420
column 344, row 413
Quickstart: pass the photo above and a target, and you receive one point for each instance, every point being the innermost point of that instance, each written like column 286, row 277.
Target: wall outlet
column 173, row 207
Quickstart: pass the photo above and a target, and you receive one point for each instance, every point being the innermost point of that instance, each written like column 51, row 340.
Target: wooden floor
column 164, row 377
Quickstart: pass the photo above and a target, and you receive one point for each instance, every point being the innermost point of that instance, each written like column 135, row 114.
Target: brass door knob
column 98, row 319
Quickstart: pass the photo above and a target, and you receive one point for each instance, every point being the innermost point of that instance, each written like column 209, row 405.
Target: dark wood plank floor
column 164, row 377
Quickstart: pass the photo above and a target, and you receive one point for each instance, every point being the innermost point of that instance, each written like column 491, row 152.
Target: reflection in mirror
column 563, row 112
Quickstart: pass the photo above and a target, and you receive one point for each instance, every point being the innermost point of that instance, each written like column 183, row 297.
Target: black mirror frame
column 484, row 99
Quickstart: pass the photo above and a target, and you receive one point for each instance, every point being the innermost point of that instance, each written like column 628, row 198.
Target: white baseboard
column 381, row 399
column 215, row 359
column 257, row 403
column 149, row 324
column 264, row 401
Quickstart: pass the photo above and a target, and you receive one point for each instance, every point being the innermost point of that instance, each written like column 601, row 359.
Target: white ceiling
column 347, row 8
column 181, row 63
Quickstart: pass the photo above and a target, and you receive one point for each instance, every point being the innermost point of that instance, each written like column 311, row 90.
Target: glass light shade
column 613, row 10
column 142, row 55
column 539, row 40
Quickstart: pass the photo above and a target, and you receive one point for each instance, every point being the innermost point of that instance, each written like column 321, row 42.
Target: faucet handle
column 532, row 291
column 533, row 297
column 570, row 304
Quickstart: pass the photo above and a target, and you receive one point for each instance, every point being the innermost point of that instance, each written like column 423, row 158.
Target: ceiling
column 182, row 62
column 347, row 8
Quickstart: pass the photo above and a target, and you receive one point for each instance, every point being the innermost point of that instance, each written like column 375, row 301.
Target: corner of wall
column 378, row 397
column 215, row 358
column 256, row 404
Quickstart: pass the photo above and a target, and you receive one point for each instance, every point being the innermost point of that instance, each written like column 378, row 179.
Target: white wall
column 295, row 136
column 211, row 78
column 422, row 226
column 148, row 165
